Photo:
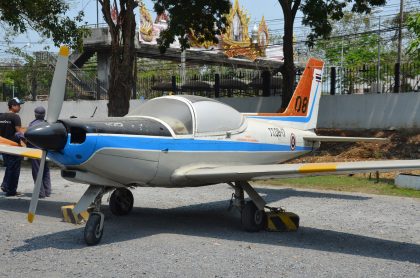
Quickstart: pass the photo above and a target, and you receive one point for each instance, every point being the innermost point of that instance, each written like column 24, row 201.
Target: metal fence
column 372, row 79
column 232, row 82
column 236, row 83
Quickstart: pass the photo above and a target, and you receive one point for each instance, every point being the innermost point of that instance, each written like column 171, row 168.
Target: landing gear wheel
column 94, row 229
column 253, row 219
column 121, row 201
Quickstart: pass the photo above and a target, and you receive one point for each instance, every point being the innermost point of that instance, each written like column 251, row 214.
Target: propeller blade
column 8, row 142
column 35, row 193
column 58, row 86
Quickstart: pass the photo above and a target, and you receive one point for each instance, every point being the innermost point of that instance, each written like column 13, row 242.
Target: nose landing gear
column 94, row 228
column 121, row 203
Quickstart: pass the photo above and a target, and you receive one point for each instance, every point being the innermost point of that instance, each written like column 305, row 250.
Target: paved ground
column 189, row 233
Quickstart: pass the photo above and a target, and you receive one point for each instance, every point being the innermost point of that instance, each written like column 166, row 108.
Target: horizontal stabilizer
column 343, row 139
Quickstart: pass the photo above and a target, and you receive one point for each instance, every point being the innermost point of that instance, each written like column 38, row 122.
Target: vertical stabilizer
column 302, row 111
column 304, row 94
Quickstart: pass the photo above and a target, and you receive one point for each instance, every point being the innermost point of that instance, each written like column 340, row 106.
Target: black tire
column 121, row 201
column 93, row 231
column 253, row 219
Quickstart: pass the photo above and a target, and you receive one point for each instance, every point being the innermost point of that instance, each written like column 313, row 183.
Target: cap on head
column 39, row 112
column 15, row 101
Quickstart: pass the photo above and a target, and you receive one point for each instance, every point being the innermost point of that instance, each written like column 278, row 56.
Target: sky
column 270, row 9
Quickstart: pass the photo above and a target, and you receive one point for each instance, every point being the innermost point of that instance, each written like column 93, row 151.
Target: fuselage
column 150, row 157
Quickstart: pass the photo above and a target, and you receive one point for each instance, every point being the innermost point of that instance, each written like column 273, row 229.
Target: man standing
column 45, row 190
column 10, row 125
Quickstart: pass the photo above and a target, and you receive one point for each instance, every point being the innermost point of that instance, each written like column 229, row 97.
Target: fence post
column 217, row 85
column 333, row 80
column 3, row 91
column 173, row 80
column 266, row 77
column 98, row 89
column 397, row 78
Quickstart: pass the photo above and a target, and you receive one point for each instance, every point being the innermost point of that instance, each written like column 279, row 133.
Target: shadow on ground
column 212, row 220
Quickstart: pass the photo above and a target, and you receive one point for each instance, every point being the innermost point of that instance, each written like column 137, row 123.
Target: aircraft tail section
column 302, row 111
column 304, row 96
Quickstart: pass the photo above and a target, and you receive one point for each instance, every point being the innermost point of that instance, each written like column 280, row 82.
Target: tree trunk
column 288, row 70
column 121, row 77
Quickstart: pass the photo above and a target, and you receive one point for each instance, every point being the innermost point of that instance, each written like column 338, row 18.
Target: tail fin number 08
column 301, row 106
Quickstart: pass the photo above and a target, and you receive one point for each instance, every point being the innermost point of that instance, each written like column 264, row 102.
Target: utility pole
column 97, row 14
column 341, row 67
column 397, row 88
column 378, row 82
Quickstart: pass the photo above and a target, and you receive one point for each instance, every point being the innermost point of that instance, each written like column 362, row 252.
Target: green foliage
column 413, row 25
column 356, row 51
column 29, row 76
column 349, row 184
column 46, row 17
column 319, row 15
column 204, row 17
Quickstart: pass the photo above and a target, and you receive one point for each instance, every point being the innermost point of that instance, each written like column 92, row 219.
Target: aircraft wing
column 226, row 173
column 21, row 151
column 343, row 139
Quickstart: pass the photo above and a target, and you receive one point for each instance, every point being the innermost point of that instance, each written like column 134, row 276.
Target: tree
column 121, row 22
column 413, row 24
column 47, row 17
column 318, row 15
column 357, row 49
column 205, row 18
column 199, row 16
column 32, row 73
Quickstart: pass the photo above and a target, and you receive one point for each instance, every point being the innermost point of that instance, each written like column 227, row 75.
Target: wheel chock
column 71, row 217
column 282, row 221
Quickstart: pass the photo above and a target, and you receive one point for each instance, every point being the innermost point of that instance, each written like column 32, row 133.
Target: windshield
column 172, row 111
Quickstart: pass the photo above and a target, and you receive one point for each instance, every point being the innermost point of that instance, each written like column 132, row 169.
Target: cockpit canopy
column 188, row 114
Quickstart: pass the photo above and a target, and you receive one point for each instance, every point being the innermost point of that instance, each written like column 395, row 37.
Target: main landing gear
column 120, row 203
column 254, row 216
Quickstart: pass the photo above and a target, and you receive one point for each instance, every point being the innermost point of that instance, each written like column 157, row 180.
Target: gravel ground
column 189, row 233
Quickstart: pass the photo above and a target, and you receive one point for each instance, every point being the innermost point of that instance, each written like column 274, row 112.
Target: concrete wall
column 369, row 111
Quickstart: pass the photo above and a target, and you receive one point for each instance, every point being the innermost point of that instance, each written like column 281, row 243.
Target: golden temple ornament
column 236, row 41
column 146, row 24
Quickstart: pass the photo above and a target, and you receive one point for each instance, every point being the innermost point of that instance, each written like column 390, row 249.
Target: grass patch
column 347, row 183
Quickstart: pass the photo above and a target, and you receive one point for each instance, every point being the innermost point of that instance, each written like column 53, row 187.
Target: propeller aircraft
column 184, row 141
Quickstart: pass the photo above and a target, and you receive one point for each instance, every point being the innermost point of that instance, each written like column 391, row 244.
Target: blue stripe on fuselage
column 75, row 154
column 298, row 119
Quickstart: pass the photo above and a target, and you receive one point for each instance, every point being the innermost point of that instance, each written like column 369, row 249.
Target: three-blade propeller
column 39, row 136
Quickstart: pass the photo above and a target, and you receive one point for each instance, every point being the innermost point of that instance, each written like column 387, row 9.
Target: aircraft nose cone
column 47, row 136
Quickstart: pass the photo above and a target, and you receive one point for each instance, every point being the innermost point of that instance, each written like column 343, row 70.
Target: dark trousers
column 46, row 180
column 12, row 173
